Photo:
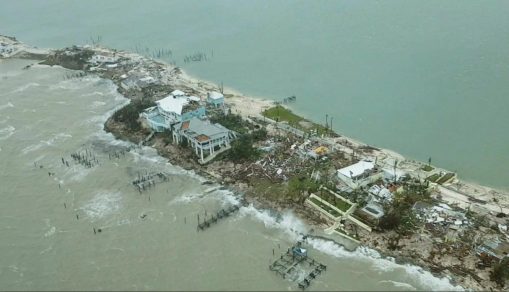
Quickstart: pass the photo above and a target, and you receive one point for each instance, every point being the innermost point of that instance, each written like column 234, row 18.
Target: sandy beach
column 480, row 199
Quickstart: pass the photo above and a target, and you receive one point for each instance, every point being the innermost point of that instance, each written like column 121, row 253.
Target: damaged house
column 175, row 108
column 205, row 138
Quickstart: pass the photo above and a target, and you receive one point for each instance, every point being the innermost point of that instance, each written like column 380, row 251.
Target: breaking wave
column 187, row 198
column 102, row 204
column 7, row 105
column 295, row 228
column 397, row 284
column 6, row 132
column 25, row 87
column 49, row 142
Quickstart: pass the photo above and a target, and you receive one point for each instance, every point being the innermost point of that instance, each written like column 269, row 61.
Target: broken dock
column 223, row 213
column 296, row 256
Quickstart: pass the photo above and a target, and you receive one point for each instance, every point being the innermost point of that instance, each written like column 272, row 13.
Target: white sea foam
column 6, row 132
column 50, row 248
column 49, row 142
column 74, row 84
column 78, row 173
column 103, row 203
column 51, row 229
column 7, row 105
column 227, row 197
column 93, row 93
column 397, row 284
column 287, row 222
column 25, row 87
column 97, row 104
column 187, row 198
column 294, row 227
column 50, row 232
column 381, row 264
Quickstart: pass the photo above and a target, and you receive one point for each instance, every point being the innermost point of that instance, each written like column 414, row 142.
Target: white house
column 173, row 109
column 206, row 138
column 215, row 98
column 359, row 174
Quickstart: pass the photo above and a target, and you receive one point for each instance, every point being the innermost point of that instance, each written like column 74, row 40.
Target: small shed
column 215, row 98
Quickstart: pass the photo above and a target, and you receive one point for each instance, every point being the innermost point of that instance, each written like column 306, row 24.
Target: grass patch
column 336, row 202
column 433, row 178
column 427, row 168
column 281, row 114
column 265, row 188
column 325, row 207
column 445, row 178
column 232, row 121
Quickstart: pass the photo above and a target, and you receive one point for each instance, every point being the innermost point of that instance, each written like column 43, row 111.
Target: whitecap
column 187, row 198
column 7, row 105
column 425, row 278
column 93, row 93
column 103, row 203
column 287, row 222
column 50, row 232
column 295, row 228
column 397, row 284
column 49, row 142
column 25, row 87
column 97, row 104
column 6, row 132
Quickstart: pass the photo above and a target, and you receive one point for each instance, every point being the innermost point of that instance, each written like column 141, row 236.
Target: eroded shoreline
column 443, row 260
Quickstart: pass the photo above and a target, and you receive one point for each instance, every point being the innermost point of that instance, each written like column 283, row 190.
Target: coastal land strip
column 283, row 176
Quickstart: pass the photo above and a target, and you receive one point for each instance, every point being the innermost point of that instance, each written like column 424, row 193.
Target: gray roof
column 197, row 127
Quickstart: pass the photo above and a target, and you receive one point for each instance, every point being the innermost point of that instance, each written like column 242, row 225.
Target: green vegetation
column 400, row 216
column 427, row 168
column 440, row 179
column 129, row 114
column 500, row 272
column 445, row 178
column 70, row 58
column 325, row 207
column 259, row 135
column 281, row 114
column 243, row 150
column 301, row 184
column 433, row 178
column 335, row 201
column 231, row 121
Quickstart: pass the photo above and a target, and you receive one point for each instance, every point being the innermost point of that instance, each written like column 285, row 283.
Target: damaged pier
column 286, row 265
column 223, row 213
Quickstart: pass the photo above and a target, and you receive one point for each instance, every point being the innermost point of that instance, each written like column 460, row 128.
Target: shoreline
column 253, row 109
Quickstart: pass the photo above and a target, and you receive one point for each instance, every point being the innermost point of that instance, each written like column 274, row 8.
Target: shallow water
column 44, row 246
column 424, row 78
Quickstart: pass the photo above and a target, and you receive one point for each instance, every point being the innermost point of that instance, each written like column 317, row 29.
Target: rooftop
column 215, row 95
column 202, row 130
column 177, row 93
column 357, row 169
column 172, row 104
